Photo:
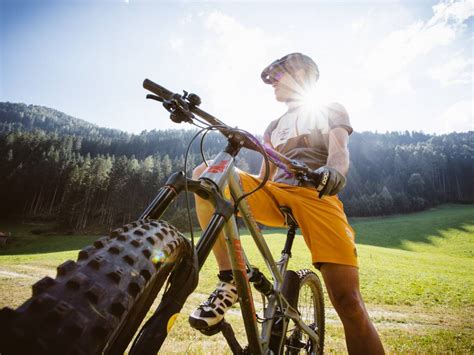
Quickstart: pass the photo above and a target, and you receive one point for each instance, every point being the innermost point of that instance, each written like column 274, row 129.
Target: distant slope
column 57, row 166
column 95, row 140
column 19, row 116
column 444, row 229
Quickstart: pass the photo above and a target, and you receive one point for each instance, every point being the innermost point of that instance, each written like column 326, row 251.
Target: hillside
column 22, row 117
column 61, row 168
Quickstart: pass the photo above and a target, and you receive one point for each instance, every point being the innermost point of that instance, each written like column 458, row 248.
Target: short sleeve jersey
column 304, row 135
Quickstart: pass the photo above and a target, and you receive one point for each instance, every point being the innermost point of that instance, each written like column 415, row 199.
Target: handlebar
column 190, row 103
column 165, row 94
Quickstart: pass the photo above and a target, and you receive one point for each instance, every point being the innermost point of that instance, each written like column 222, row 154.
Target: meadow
column 417, row 278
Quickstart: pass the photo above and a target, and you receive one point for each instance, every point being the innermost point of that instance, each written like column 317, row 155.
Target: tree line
column 56, row 167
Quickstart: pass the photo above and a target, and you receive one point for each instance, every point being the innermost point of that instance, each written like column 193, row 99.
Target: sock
column 226, row 275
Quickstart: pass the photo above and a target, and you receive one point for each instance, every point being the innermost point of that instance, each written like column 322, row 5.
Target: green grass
column 416, row 278
column 440, row 230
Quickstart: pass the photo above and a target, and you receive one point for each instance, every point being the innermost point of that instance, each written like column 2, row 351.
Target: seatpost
column 290, row 221
column 290, row 237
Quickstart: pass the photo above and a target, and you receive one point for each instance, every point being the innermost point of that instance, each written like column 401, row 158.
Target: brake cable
column 266, row 177
column 186, row 191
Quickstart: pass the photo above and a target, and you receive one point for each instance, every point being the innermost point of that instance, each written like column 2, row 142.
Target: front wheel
column 310, row 305
column 95, row 304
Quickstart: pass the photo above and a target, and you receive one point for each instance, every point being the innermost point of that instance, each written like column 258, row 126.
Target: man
column 319, row 138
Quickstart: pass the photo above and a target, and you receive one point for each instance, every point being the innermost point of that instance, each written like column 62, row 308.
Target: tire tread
column 80, row 310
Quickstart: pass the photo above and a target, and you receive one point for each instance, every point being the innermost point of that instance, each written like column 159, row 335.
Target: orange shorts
column 323, row 222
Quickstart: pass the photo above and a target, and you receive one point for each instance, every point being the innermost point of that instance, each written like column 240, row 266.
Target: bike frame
column 211, row 186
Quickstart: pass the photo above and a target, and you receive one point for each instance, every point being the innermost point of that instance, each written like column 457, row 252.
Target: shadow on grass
column 388, row 232
column 421, row 227
column 23, row 241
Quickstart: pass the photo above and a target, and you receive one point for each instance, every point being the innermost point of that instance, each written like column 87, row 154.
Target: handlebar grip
column 157, row 89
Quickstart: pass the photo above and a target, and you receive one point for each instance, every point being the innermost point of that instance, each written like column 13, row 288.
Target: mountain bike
column 97, row 303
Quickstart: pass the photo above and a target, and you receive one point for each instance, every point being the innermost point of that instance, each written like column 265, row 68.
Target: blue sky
column 404, row 65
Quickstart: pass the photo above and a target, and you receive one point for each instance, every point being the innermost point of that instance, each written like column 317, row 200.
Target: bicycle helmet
column 290, row 63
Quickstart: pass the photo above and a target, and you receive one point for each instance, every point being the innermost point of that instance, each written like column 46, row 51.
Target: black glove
column 331, row 181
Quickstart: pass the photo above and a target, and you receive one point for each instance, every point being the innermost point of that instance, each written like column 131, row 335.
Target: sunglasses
column 273, row 74
column 276, row 75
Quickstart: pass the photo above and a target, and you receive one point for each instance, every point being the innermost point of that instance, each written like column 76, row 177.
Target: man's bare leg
column 342, row 284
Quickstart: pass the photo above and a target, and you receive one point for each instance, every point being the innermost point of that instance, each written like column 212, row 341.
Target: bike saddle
column 290, row 220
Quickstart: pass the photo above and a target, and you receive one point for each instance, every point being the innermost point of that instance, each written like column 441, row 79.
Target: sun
column 309, row 98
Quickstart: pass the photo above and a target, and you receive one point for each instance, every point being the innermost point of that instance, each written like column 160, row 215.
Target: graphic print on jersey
column 300, row 123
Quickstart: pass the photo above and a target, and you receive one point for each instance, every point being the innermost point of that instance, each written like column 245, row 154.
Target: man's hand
column 331, row 182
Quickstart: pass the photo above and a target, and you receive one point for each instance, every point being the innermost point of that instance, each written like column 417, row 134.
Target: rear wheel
column 310, row 305
column 99, row 301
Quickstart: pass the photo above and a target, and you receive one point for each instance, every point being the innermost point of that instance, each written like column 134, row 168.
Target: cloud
column 234, row 55
column 459, row 117
column 359, row 25
column 457, row 70
column 176, row 43
column 451, row 11
column 401, row 85
column 401, row 48
column 186, row 19
column 229, row 54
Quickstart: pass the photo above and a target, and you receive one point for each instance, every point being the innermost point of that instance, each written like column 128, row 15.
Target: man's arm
column 338, row 153
column 333, row 174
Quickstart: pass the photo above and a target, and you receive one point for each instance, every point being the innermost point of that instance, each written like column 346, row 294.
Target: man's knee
column 348, row 303
column 197, row 172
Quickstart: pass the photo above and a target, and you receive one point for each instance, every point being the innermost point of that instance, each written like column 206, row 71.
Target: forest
column 58, row 168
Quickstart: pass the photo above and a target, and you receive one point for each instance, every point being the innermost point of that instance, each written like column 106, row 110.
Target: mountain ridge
column 63, row 118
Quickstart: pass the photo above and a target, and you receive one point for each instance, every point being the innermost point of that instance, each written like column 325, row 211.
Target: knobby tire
column 96, row 304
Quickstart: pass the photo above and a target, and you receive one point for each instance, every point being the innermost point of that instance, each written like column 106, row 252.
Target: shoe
column 212, row 311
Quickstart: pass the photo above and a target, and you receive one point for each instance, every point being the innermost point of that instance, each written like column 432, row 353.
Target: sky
column 394, row 65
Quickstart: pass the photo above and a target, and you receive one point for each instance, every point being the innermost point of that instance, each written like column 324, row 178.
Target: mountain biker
column 317, row 136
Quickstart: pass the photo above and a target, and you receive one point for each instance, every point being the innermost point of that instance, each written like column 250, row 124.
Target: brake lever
column 179, row 109
column 155, row 97
column 297, row 165
column 304, row 174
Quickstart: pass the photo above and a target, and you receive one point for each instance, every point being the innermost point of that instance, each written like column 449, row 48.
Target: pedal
column 209, row 331
column 227, row 332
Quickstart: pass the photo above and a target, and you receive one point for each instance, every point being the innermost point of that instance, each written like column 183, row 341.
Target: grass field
column 417, row 278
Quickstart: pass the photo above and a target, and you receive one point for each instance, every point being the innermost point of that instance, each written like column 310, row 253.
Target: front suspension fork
column 205, row 189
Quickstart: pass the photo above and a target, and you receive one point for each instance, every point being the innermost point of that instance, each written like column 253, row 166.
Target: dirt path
column 25, row 271
column 383, row 317
column 12, row 274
